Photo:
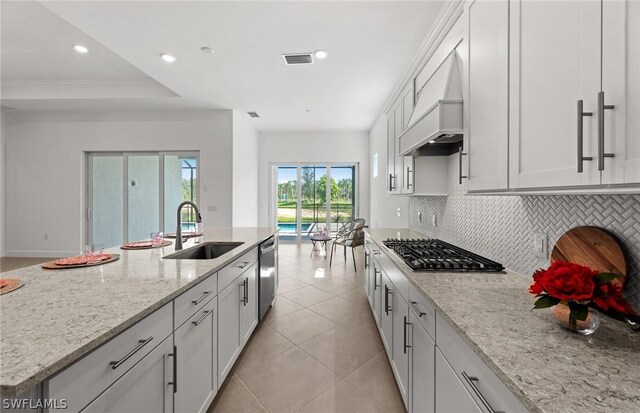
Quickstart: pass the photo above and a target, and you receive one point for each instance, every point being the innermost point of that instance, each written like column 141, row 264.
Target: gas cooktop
column 436, row 255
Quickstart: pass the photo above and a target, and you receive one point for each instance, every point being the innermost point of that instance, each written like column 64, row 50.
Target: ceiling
column 370, row 45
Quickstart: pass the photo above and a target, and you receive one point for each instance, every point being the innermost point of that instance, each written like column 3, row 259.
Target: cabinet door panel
column 555, row 61
column 144, row 388
column 386, row 314
column 197, row 373
column 398, row 171
column 377, row 293
column 392, row 179
column 249, row 308
column 451, row 395
column 487, row 100
column 621, row 84
column 400, row 359
column 229, row 302
column 422, row 383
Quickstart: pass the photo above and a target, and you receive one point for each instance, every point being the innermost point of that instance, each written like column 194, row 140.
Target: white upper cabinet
column 392, row 177
column 487, row 95
column 621, row 87
column 555, row 63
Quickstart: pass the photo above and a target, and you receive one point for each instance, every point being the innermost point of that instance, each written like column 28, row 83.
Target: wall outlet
column 398, row 211
column 434, row 220
column 212, row 208
column 540, row 242
column 46, row 237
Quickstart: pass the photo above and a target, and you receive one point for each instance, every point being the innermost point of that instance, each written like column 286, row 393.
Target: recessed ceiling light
column 206, row 49
column 169, row 58
column 307, row 110
column 320, row 54
column 80, row 48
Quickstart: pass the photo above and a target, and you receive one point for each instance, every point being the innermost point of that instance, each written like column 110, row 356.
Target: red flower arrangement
column 579, row 287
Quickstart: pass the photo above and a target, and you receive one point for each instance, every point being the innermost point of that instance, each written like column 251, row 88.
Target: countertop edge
column 504, row 378
column 12, row 390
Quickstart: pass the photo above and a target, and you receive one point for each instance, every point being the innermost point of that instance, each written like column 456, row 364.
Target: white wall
column 307, row 147
column 2, row 163
column 384, row 208
column 245, row 172
column 45, row 171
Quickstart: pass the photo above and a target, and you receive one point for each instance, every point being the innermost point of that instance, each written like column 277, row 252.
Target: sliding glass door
column 310, row 197
column 133, row 194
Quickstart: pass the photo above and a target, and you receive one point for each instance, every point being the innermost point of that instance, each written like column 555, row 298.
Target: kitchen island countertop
column 60, row 315
column 547, row 368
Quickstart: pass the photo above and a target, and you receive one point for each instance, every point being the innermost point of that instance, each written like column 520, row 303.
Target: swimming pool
column 291, row 227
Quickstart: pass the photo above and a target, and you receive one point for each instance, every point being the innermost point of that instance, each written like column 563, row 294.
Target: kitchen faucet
column 179, row 222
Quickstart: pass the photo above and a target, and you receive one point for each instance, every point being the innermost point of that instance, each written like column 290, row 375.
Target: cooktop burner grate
column 435, row 255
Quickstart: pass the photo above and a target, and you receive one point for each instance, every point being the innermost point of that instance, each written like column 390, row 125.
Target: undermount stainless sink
column 204, row 251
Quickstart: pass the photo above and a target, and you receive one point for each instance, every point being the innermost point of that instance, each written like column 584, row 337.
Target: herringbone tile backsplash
column 502, row 227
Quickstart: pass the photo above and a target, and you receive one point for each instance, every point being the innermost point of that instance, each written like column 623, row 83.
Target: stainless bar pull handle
column 376, row 252
column 409, row 184
column 199, row 300
column 414, row 304
column 472, row 382
column 375, row 279
column 174, row 383
column 206, row 313
column 115, row 364
column 460, row 176
column 244, row 264
column 391, row 180
column 366, row 260
column 387, row 291
column 581, row 157
column 246, row 291
column 406, row 346
column 601, row 153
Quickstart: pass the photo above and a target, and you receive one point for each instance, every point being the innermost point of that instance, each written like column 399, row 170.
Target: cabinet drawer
column 424, row 309
column 473, row 372
column 88, row 377
column 395, row 275
column 194, row 299
column 235, row 268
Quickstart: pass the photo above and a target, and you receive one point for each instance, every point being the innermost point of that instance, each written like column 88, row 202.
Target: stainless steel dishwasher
column 268, row 280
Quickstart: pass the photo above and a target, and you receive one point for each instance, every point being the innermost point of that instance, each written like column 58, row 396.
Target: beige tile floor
column 318, row 350
column 13, row 263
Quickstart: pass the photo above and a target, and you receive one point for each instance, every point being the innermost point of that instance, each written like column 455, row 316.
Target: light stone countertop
column 60, row 315
column 548, row 369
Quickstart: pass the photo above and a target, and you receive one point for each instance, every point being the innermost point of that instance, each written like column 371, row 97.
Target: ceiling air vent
column 253, row 114
column 297, row 59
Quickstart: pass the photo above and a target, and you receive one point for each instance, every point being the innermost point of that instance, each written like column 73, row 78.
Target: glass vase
column 561, row 312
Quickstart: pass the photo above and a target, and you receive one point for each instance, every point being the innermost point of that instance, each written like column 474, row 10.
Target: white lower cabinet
column 197, row 373
column 237, row 318
column 377, row 292
column 421, row 365
column 400, row 354
column 249, row 308
column 386, row 314
column 229, row 303
column 451, row 395
column 435, row 370
column 145, row 388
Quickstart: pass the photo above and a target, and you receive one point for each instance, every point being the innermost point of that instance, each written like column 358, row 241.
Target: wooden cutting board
column 592, row 247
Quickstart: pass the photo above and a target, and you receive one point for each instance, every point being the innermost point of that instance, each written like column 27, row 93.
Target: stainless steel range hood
column 436, row 121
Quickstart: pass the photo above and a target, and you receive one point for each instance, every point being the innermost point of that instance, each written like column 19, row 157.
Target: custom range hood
column 435, row 127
